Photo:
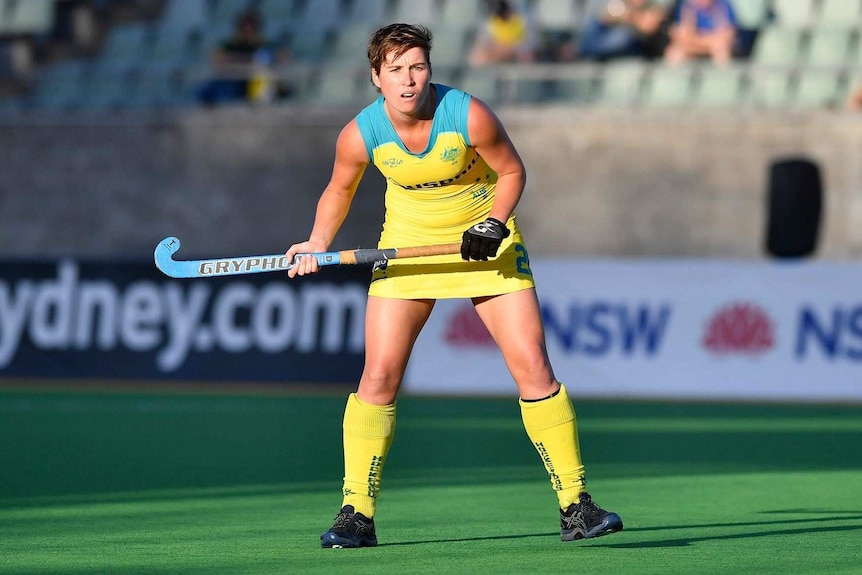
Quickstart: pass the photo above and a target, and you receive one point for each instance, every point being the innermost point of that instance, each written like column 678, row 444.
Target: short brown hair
column 398, row 38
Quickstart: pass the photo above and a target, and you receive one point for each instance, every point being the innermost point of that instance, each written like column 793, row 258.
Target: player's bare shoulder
column 350, row 146
column 483, row 125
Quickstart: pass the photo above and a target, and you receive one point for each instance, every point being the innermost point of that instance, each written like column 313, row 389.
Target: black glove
column 483, row 240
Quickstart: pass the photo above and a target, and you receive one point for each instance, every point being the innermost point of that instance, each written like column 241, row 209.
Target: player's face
column 405, row 81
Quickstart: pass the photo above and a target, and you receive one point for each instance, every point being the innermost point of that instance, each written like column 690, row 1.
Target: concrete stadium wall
column 240, row 181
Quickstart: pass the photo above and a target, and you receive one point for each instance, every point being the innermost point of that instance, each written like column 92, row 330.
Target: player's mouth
column 408, row 95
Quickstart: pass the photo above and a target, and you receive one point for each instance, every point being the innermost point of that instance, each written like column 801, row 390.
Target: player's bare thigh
column 515, row 322
column 391, row 329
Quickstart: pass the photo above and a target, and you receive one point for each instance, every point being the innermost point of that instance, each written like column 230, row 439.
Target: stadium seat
column 126, row 43
column 448, row 75
column 308, row 45
column 819, row 89
column 720, row 87
column 226, row 11
column 182, row 16
column 30, row 17
column 56, row 94
column 461, row 14
column 482, row 83
column 72, row 70
column 829, row 47
column 104, row 88
column 159, row 88
column 58, row 85
column 778, row 46
column 576, row 84
column 176, row 46
column 367, row 92
column 752, row 14
column 374, row 13
column 772, row 89
column 5, row 13
column 336, row 85
column 558, row 15
column 527, row 91
column 451, row 46
column 214, row 36
column 349, row 46
column 425, row 13
column 300, row 79
column 839, row 13
column 668, row 87
column 319, row 16
column 8, row 69
column 620, row 83
column 12, row 106
column 277, row 14
column 793, row 13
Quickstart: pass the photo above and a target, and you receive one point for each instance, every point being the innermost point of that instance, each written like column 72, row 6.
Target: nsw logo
column 739, row 328
column 465, row 329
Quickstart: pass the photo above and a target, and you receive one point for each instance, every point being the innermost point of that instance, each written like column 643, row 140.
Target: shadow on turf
column 685, row 541
column 682, row 542
column 462, row 539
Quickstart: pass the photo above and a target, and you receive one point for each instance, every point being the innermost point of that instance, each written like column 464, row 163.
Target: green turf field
column 241, row 483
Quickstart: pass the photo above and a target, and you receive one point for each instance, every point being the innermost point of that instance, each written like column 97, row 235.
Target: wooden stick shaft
column 369, row 255
column 422, row 251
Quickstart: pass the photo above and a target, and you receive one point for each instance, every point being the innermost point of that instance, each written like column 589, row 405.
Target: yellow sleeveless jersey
column 431, row 198
column 508, row 31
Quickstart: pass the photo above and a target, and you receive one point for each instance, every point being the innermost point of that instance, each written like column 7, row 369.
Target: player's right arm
column 351, row 159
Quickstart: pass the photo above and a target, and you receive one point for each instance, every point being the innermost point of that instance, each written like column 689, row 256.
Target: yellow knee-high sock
column 368, row 433
column 551, row 425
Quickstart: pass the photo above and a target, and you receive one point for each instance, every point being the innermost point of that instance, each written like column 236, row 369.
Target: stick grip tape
column 368, row 256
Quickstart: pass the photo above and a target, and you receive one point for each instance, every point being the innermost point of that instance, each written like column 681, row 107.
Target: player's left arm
column 489, row 138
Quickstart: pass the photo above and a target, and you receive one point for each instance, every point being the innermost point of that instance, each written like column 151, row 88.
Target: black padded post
column 795, row 201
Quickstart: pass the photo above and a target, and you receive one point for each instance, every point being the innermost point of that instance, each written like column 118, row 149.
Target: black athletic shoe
column 585, row 520
column 351, row 529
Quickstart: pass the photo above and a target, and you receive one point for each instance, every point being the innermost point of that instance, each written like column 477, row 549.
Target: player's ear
column 375, row 77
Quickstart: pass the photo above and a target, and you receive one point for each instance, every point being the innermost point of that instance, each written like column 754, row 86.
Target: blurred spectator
column 506, row 36
column 244, row 66
column 702, row 29
column 854, row 99
column 624, row 28
column 76, row 24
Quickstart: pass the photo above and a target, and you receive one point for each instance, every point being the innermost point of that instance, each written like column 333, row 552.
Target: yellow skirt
column 442, row 277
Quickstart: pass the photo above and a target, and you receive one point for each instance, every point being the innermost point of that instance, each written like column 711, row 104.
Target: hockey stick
column 278, row 262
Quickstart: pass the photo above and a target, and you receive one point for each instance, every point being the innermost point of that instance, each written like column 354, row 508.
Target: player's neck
column 419, row 118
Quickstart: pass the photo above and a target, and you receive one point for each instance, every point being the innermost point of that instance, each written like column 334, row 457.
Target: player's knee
column 380, row 385
column 533, row 363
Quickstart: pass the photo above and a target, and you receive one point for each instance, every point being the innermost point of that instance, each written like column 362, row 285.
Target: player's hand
column 483, row 240
column 305, row 264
